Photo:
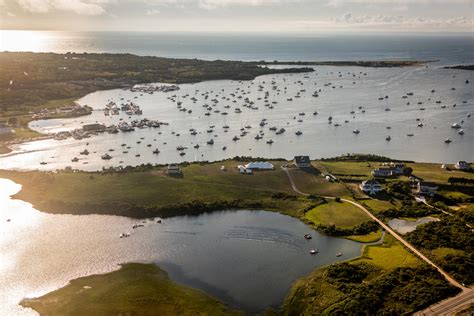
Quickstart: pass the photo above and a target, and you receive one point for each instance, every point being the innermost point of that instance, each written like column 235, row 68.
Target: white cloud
column 153, row 12
column 213, row 4
column 339, row 3
column 349, row 18
column 83, row 7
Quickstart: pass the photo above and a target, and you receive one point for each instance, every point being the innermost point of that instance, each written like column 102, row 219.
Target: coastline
column 87, row 85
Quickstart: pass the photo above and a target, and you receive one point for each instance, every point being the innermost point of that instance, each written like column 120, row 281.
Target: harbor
column 333, row 111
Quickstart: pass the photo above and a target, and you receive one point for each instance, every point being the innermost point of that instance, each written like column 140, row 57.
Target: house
column 397, row 168
column 462, row 165
column 259, row 165
column 426, row 188
column 173, row 169
column 370, row 186
column 302, row 161
column 244, row 170
column 382, row 172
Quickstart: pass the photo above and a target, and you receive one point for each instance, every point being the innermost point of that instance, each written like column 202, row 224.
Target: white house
column 426, row 188
column 244, row 170
column 462, row 165
column 382, row 172
column 370, row 186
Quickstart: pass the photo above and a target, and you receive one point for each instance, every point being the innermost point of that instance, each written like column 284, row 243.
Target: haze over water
column 449, row 49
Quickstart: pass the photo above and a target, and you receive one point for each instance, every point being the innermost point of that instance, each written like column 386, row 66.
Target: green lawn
column 389, row 255
column 371, row 237
column 61, row 192
column 433, row 172
column 379, row 205
column 135, row 289
column 340, row 214
column 311, row 181
column 347, row 168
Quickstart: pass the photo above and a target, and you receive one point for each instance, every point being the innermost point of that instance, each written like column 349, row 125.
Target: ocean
column 447, row 48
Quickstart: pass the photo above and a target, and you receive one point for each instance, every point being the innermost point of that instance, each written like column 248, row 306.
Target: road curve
column 447, row 304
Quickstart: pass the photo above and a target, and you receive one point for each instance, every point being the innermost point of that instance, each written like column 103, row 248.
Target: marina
column 254, row 118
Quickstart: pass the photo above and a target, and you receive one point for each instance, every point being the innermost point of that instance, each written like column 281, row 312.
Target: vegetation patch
column 339, row 214
column 135, row 289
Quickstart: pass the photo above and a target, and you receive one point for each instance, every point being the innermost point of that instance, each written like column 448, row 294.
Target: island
column 329, row 195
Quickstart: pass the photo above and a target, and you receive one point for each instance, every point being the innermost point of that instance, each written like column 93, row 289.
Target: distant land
column 359, row 63
column 462, row 67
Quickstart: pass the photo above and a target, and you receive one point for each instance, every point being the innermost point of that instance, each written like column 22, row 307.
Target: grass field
column 433, row 172
column 379, row 205
column 388, row 255
column 152, row 188
column 347, row 168
column 311, row 181
column 135, row 289
column 340, row 214
column 372, row 237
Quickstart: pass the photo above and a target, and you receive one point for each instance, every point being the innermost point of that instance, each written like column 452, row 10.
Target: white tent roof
column 259, row 165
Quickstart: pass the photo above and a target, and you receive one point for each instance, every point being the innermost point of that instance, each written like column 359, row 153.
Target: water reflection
column 248, row 259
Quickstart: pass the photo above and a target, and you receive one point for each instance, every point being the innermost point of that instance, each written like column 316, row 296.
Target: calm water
column 248, row 259
column 351, row 90
column 446, row 48
column 403, row 226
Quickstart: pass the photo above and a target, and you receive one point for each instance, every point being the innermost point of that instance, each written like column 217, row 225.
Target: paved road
column 448, row 304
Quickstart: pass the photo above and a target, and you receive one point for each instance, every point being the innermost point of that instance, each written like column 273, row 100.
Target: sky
column 277, row 16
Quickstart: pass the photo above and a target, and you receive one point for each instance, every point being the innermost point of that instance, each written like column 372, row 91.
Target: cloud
column 83, row 7
column 153, row 12
column 349, row 18
column 339, row 3
column 214, row 4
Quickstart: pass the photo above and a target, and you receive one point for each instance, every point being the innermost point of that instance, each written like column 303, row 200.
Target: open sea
column 370, row 108
column 448, row 49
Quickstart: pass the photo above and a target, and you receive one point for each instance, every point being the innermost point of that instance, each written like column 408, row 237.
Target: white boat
column 455, row 125
column 313, row 251
column 461, row 132
column 106, row 157
column 356, row 131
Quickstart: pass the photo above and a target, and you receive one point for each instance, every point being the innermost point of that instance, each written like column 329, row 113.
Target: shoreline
column 92, row 84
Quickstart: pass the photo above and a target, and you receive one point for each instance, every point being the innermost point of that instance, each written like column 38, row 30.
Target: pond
column 246, row 258
column 404, row 226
